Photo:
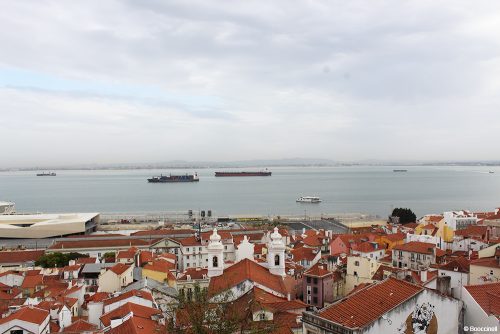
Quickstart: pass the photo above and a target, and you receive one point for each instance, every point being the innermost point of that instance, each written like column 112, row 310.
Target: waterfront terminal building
column 32, row 226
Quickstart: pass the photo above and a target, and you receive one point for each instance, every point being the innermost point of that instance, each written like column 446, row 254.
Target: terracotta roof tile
column 303, row 253
column 137, row 293
column 486, row 262
column 20, row 256
column 367, row 305
column 100, row 243
column 160, row 266
column 246, row 270
column 137, row 325
column 30, row 314
column 80, row 325
column 194, row 273
column 487, row 296
column 119, row 268
column 416, row 247
column 138, row 311
column 318, row 270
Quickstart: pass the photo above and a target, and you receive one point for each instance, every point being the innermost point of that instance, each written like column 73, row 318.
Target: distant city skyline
column 92, row 82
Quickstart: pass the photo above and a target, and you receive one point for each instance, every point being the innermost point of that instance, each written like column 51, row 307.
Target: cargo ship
column 262, row 173
column 174, row 178
column 46, row 174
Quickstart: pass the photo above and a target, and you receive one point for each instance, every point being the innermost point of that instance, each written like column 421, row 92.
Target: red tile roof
column 487, row 296
column 100, row 243
column 120, row 312
column 318, row 270
column 303, row 253
column 30, row 314
column 32, row 281
column 160, row 266
column 137, row 325
column 132, row 293
column 79, row 325
column 119, row 268
column 190, row 241
column 395, row 236
column 416, row 247
column 367, row 305
column 246, row 270
column 162, row 232
column 20, row 256
column 486, row 262
column 194, row 273
column 459, row 264
column 368, row 247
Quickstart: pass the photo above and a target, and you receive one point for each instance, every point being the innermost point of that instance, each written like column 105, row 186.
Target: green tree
column 405, row 215
column 52, row 260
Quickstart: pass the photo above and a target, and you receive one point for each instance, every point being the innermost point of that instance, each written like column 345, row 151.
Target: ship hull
column 236, row 174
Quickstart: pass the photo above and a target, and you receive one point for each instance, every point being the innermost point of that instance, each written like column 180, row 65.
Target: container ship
column 174, row 178
column 46, row 174
column 262, row 173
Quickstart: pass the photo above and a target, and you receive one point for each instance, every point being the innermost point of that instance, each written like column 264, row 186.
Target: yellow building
column 160, row 271
column 359, row 270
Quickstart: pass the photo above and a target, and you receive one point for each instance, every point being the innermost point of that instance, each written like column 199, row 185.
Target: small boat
column 46, row 174
column 308, row 199
column 400, row 170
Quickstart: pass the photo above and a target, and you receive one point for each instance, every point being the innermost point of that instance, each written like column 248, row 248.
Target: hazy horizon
column 93, row 82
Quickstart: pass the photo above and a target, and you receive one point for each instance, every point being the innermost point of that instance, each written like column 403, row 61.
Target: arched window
column 276, row 260
column 215, row 261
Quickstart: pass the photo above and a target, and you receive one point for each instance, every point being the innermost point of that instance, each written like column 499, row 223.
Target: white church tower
column 276, row 254
column 215, row 251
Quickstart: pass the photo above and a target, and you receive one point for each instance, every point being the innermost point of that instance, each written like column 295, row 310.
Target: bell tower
column 276, row 254
column 215, row 251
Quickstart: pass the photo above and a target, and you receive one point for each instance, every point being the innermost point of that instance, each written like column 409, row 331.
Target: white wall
column 474, row 314
column 446, row 311
column 12, row 280
column 457, row 281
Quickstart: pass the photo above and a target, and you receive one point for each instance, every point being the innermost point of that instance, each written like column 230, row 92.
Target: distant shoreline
column 270, row 165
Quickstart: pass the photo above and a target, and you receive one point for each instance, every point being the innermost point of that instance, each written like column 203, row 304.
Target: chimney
column 72, row 262
column 423, row 275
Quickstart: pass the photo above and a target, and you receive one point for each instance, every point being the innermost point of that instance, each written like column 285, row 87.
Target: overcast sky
column 151, row 81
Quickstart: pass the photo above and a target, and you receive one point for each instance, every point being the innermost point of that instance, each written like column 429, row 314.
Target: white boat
column 308, row 199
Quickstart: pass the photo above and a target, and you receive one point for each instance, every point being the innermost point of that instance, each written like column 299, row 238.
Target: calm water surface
column 373, row 190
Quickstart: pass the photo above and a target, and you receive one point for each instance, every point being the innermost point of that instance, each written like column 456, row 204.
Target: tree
column 197, row 312
column 405, row 215
column 59, row 260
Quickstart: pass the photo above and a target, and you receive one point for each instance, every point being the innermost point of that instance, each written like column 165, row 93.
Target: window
column 308, row 279
column 199, row 248
column 315, row 290
column 16, row 331
column 315, row 280
column 276, row 260
column 187, row 249
column 356, row 263
column 315, row 300
column 355, row 273
column 262, row 316
column 215, row 262
column 190, row 294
